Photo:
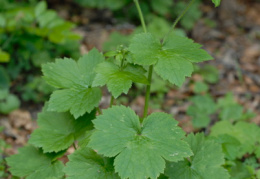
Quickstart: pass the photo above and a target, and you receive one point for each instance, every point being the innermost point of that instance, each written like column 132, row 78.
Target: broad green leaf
column 240, row 171
column 216, row 2
column 146, row 49
column 247, row 134
column 74, row 80
column 87, row 164
column 58, row 131
column 172, row 60
column 230, row 145
column 145, row 147
column 32, row 163
column 118, row 80
column 206, row 163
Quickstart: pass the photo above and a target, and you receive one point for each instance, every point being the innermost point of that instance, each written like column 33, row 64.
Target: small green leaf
column 40, row 8
column 58, row 131
column 119, row 134
column 4, row 56
column 247, row 134
column 86, row 163
column 32, row 163
column 118, row 80
column 206, row 163
column 74, row 80
column 201, row 109
column 231, row 112
column 200, row 87
column 216, row 2
column 172, row 60
column 10, row 103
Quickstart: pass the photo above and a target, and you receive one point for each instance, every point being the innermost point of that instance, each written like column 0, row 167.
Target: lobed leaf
column 32, row 163
column 87, row 164
column 118, row 80
column 58, row 131
column 172, row 60
column 206, row 163
column 247, row 134
column 74, row 80
column 140, row 150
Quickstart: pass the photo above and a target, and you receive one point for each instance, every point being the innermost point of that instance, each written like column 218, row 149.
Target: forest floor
column 234, row 43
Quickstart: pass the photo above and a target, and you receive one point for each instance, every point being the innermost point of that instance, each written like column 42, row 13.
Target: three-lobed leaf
column 206, row 163
column 58, row 131
column 74, row 80
column 172, row 60
column 140, row 150
column 87, row 164
column 118, row 80
column 32, row 163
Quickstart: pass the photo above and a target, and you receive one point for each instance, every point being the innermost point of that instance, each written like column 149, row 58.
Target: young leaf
column 216, row 2
column 200, row 111
column 118, row 80
column 86, row 163
column 247, row 134
column 75, row 80
column 119, row 133
column 172, row 60
column 206, row 162
column 32, row 163
column 58, row 131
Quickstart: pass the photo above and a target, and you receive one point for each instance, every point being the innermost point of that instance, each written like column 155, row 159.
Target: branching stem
column 150, row 72
column 179, row 18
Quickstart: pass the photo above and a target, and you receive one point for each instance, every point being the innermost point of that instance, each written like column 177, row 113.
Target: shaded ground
column 234, row 42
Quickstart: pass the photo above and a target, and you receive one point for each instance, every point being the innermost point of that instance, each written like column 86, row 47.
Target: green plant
column 3, row 147
column 115, row 142
column 30, row 36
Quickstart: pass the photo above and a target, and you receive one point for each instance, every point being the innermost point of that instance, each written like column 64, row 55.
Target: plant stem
column 140, row 15
column 74, row 146
column 150, row 72
column 147, row 93
column 179, row 18
column 99, row 111
column 111, row 101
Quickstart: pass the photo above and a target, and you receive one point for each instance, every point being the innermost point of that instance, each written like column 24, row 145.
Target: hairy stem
column 140, row 15
column 150, row 72
column 179, row 18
